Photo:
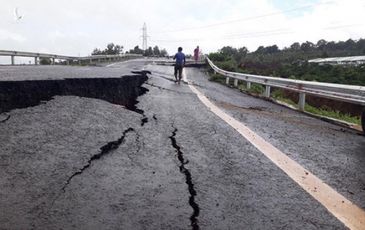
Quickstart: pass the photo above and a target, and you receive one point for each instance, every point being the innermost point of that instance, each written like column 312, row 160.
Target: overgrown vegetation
column 155, row 51
column 112, row 49
column 217, row 78
column 277, row 94
column 291, row 62
column 323, row 111
column 44, row 61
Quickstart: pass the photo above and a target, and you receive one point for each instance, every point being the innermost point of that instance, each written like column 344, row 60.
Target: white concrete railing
column 36, row 56
column 347, row 93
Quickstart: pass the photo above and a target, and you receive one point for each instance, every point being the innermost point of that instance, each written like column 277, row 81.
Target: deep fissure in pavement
column 166, row 89
column 7, row 118
column 121, row 91
column 188, row 181
column 130, row 105
column 104, row 150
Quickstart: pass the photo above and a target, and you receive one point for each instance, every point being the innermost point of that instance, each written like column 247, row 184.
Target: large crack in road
column 123, row 90
column 104, row 150
column 188, row 181
column 4, row 120
column 131, row 105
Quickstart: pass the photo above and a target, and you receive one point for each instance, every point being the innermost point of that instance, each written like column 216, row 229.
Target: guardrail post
column 363, row 121
column 227, row 80
column 267, row 91
column 235, row 82
column 248, row 85
column 67, row 62
column 91, row 60
column 301, row 102
column 12, row 60
column 35, row 60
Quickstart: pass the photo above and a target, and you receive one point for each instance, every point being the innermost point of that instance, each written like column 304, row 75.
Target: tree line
column 114, row 49
column 291, row 62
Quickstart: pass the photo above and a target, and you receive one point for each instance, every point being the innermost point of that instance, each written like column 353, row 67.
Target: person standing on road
column 179, row 64
column 196, row 54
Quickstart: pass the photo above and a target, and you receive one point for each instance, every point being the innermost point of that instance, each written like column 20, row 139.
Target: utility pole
column 144, row 36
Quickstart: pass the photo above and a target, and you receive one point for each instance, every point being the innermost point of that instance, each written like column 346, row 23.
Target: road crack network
column 7, row 118
column 104, row 150
column 188, row 181
column 140, row 144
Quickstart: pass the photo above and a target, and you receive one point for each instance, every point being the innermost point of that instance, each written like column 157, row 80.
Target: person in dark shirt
column 179, row 64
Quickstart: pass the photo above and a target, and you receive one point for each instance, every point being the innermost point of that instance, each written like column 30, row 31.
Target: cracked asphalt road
column 184, row 168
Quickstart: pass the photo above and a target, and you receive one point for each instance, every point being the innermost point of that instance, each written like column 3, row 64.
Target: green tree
column 307, row 46
column 148, row 52
column 136, row 50
column 228, row 51
column 164, row 53
column 110, row 49
column 44, row 61
column 295, row 46
column 156, row 51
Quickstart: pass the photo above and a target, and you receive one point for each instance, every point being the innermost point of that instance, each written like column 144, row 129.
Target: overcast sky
column 76, row 27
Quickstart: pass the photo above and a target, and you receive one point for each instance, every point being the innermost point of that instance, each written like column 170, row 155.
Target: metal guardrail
column 36, row 56
column 347, row 93
column 352, row 60
column 172, row 62
column 339, row 92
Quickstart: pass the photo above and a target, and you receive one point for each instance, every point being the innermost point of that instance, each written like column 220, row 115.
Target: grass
column 217, row 78
column 333, row 114
column 326, row 112
column 278, row 95
column 256, row 89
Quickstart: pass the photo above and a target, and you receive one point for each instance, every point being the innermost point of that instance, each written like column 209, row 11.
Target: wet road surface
column 85, row 163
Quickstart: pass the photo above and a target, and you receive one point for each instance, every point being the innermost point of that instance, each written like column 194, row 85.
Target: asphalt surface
column 85, row 163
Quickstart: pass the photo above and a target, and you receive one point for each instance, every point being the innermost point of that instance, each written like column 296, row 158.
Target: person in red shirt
column 196, row 54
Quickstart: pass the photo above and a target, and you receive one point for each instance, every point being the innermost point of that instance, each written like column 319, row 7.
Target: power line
column 244, row 19
column 234, row 36
column 342, row 26
column 276, row 32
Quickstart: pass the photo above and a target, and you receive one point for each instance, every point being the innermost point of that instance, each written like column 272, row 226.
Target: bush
column 229, row 65
column 217, row 78
column 44, row 61
column 256, row 88
column 217, row 57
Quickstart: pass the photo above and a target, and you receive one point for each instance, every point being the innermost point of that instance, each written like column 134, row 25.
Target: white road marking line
column 184, row 78
column 127, row 61
column 344, row 210
column 112, row 64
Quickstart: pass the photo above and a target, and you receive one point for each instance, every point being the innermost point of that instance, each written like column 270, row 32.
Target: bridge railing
column 36, row 56
column 339, row 92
